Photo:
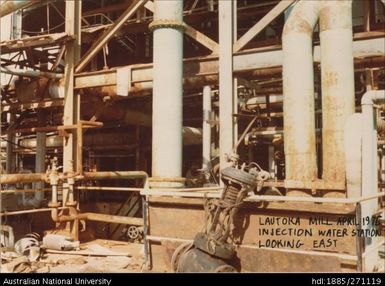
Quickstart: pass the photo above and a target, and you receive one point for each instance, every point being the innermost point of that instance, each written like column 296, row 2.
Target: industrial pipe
column 32, row 73
column 167, row 91
column 299, row 118
column 337, row 75
column 115, row 175
column 96, row 217
column 369, row 147
column 353, row 155
column 22, row 178
column 39, row 168
column 10, row 6
column 206, row 148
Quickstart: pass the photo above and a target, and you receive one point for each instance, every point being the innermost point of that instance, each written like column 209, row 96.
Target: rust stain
column 330, row 78
column 299, row 26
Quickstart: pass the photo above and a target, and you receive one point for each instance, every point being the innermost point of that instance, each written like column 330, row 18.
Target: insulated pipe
column 298, row 89
column 353, row 155
column 10, row 6
column 167, row 91
column 226, row 82
column 369, row 148
column 115, row 175
column 39, row 168
column 206, row 148
column 22, row 178
column 337, row 75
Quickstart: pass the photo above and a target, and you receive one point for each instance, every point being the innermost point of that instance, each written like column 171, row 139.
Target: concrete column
column 226, row 105
column 167, row 93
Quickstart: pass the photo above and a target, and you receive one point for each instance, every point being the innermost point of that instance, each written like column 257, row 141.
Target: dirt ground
column 122, row 257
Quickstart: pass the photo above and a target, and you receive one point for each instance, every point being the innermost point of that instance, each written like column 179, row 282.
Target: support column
column 235, row 84
column 71, row 106
column 226, row 105
column 72, row 99
column 167, row 93
column 206, row 148
column 40, row 162
column 10, row 164
column 272, row 165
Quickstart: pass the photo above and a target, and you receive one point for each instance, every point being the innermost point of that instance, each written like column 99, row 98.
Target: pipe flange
column 71, row 204
column 53, row 205
column 167, row 23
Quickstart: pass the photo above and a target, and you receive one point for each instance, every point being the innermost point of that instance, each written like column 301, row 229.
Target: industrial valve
column 212, row 249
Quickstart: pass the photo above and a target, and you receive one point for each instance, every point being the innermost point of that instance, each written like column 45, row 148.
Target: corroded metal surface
column 337, row 74
column 299, row 118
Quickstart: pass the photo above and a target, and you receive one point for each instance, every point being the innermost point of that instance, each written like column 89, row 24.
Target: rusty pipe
column 337, row 76
column 10, row 6
column 298, row 107
column 115, row 175
column 23, row 178
column 96, row 217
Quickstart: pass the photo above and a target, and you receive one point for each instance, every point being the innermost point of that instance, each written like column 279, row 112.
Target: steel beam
column 71, row 114
column 246, row 61
column 262, row 24
column 109, row 33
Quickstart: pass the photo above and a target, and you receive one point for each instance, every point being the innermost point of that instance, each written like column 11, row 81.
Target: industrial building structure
column 189, row 125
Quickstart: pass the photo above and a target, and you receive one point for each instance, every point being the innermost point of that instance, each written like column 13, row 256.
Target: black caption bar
column 109, row 279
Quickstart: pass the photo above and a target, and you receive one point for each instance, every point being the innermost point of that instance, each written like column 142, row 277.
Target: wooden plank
column 262, row 24
column 170, row 221
column 308, row 207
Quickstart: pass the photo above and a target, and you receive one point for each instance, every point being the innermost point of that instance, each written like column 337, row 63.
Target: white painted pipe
column 337, row 75
column 369, row 147
column 206, row 140
column 167, row 91
column 226, row 87
column 40, row 164
column 298, row 90
column 353, row 155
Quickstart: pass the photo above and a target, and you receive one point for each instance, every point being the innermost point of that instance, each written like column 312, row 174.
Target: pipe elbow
column 373, row 96
column 302, row 19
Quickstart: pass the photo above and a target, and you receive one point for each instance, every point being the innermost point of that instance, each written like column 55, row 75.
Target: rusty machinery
column 213, row 249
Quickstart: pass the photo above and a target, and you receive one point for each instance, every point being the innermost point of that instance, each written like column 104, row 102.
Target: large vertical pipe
column 226, row 128
column 206, row 128
column 10, row 164
column 272, row 165
column 337, row 74
column 40, row 162
column 353, row 155
column 167, row 91
column 298, row 89
column 369, row 164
